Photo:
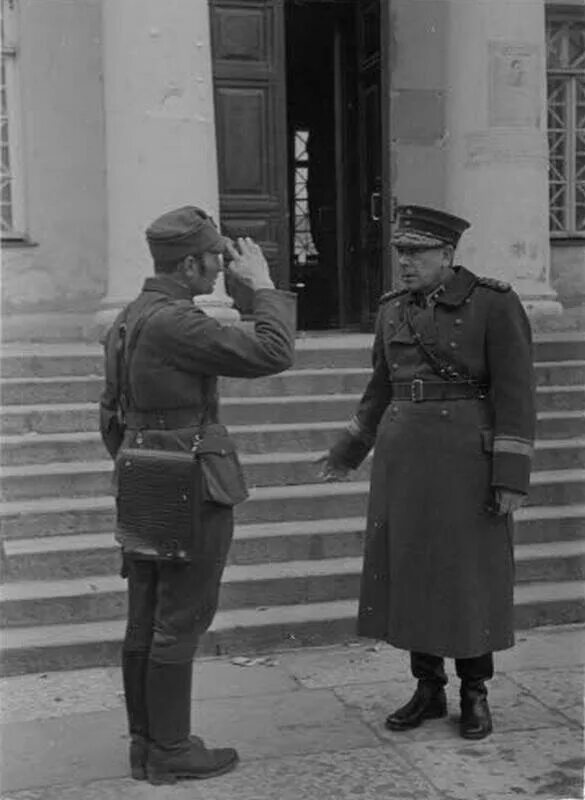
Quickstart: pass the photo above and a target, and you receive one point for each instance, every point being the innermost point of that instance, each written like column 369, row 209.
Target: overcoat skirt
column 438, row 572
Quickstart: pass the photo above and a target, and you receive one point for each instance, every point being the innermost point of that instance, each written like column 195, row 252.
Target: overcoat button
column 395, row 409
column 458, row 322
column 395, row 366
column 453, row 345
column 444, row 412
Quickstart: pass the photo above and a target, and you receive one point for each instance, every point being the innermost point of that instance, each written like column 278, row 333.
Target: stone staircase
column 293, row 575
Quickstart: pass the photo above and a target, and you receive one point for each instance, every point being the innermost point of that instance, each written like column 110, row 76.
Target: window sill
column 17, row 242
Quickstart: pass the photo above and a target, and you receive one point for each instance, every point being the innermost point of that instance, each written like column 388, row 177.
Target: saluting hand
column 249, row 265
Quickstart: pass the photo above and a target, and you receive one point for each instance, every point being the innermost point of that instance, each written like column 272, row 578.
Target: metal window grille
column 304, row 245
column 566, row 123
column 11, row 189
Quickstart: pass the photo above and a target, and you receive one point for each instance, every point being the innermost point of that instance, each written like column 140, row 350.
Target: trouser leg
column 475, row 670
column 187, row 598
column 428, row 669
column 142, row 585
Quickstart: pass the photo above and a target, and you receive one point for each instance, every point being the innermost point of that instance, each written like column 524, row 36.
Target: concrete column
column 496, row 142
column 160, row 131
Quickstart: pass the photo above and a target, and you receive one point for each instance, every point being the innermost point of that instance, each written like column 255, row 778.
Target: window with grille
column 304, row 246
column 566, row 122
column 11, row 201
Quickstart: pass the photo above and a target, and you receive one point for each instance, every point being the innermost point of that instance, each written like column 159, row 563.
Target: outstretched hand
column 329, row 471
column 506, row 501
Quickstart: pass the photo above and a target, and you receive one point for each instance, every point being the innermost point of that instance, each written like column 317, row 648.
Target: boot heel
column 156, row 778
column 138, row 772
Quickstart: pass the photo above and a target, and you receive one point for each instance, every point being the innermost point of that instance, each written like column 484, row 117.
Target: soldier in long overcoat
column 162, row 359
column 450, row 407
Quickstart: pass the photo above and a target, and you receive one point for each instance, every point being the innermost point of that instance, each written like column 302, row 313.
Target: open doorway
column 334, row 147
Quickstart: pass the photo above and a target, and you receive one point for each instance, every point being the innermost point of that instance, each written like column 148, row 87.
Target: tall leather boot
column 476, row 719
column 134, row 666
column 173, row 753
column 429, row 700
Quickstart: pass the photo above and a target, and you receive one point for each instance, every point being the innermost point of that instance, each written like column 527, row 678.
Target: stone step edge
column 303, row 341
column 331, row 341
column 68, row 437
column 50, row 380
column 105, row 541
column 225, row 401
column 16, row 639
column 95, row 585
column 269, row 427
column 247, row 459
column 39, row 408
column 64, row 543
column 12, row 508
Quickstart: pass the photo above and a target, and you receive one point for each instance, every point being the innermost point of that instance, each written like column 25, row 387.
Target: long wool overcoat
column 438, row 573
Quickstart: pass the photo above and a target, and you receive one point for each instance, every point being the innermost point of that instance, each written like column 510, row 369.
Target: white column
column 497, row 151
column 160, row 132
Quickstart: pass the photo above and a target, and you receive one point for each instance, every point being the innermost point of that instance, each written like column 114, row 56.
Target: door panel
column 250, row 111
column 373, row 170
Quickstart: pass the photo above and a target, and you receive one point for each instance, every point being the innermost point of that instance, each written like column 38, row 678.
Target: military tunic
column 179, row 354
column 438, row 567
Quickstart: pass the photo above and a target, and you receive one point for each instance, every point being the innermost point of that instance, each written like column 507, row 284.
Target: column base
column 539, row 307
column 104, row 319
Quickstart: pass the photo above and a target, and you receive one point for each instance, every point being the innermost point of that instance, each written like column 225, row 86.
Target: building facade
column 299, row 122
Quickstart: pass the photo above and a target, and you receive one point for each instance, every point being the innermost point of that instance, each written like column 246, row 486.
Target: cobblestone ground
column 309, row 726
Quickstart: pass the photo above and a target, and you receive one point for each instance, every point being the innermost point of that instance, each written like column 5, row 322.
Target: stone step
column 84, row 555
column 60, row 417
column 251, row 630
column 294, row 410
column 25, row 359
column 103, row 597
column 65, row 515
column 87, row 388
column 70, row 479
column 43, row 448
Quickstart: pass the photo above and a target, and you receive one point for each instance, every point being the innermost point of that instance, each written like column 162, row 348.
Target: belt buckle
column 416, row 390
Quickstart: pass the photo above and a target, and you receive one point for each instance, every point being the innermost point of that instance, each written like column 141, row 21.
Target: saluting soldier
column 450, row 406
column 163, row 356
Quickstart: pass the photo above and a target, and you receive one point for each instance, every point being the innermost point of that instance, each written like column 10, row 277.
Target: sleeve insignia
column 492, row 283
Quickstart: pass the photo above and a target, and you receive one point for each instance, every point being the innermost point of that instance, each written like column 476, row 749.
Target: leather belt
column 166, row 419
column 418, row 391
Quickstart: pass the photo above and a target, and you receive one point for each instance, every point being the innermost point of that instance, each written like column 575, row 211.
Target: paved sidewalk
column 309, row 726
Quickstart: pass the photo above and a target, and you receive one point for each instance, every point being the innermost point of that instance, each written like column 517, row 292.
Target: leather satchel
column 164, row 477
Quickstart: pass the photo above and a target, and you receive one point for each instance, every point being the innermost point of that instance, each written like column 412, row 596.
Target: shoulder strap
column 441, row 364
column 391, row 295
column 127, row 348
column 492, row 283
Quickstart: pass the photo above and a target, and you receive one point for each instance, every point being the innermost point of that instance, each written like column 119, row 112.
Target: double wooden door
column 249, row 70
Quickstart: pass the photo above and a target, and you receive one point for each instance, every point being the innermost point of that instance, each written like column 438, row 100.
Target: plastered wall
column 64, row 163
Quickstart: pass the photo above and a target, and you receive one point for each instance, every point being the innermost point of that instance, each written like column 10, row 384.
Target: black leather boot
column 134, row 666
column 476, row 719
column 174, row 754
column 428, row 702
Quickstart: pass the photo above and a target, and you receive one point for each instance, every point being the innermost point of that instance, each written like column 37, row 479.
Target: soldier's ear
column 191, row 264
column 448, row 254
